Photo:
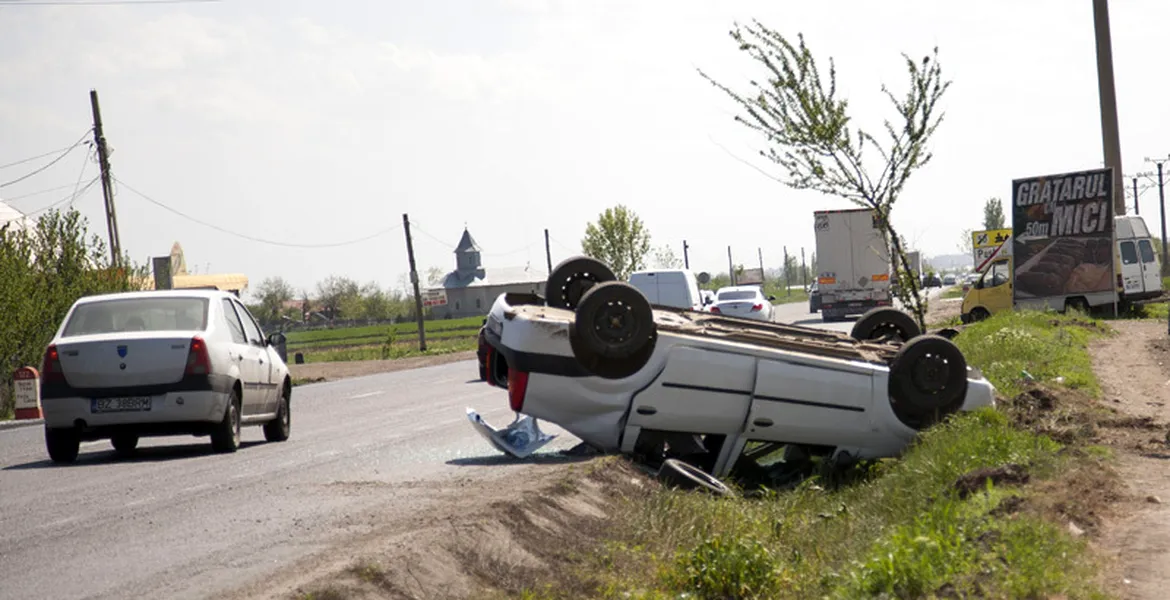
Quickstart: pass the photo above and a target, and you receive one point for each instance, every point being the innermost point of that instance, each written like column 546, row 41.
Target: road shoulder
column 332, row 371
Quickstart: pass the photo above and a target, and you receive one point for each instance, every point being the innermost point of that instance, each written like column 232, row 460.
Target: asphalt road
column 177, row 521
column 181, row 522
column 796, row 313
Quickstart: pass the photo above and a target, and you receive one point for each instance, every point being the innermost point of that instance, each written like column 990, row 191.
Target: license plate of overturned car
column 520, row 439
column 104, row 405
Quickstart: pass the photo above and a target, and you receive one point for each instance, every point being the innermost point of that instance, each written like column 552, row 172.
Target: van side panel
column 647, row 283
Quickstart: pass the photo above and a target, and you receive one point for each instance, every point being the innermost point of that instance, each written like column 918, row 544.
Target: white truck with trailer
column 853, row 263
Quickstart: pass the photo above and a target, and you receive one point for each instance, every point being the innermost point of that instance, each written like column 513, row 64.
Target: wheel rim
column 931, row 373
column 886, row 332
column 614, row 323
column 575, row 287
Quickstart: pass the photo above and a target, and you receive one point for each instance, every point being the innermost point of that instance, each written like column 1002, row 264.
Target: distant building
column 471, row 289
column 182, row 280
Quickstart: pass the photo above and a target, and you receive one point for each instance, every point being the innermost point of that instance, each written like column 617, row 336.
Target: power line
column 32, row 158
column 70, row 198
column 97, row 2
column 51, row 163
column 31, row 194
column 80, row 174
column 252, row 238
column 415, row 226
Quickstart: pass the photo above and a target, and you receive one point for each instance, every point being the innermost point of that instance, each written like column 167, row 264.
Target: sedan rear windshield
column 740, row 295
column 138, row 314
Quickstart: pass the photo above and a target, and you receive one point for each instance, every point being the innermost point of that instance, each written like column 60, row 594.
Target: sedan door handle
column 647, row 410
column 762, row 422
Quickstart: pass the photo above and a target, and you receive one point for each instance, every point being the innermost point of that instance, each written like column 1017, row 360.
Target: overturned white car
column 595, row 358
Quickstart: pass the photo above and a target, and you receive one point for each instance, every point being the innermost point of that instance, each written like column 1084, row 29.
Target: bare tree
column 811, row 136
column 665, row 258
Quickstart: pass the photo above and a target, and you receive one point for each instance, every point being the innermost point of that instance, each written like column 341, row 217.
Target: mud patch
column 976, row 480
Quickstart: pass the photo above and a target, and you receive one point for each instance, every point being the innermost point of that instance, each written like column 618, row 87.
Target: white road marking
column 365, row 395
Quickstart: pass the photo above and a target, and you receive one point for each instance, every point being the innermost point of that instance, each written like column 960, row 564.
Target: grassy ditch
column 978, row 507
column 392, row 351
column 953, row 292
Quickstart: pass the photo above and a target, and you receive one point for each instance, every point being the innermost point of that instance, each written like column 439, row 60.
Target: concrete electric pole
column 1110, row 136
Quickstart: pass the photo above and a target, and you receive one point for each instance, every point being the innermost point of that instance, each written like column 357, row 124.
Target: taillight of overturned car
column 517, row 387
column 757, row 308
column 715, row 309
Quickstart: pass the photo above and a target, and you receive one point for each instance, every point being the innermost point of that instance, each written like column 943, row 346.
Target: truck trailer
column 853, row 263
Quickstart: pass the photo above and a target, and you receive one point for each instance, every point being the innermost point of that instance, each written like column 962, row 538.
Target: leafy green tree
column 993, row 214
column 811, row 136
column 335, row 291
column 43, row 271
column 273, row 293
column 619, row 239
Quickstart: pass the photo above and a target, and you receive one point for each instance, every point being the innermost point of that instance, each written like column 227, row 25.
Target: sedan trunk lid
column 126, row 359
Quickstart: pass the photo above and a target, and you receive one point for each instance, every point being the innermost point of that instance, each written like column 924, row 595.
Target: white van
column 1141, row 269
column 676, row 288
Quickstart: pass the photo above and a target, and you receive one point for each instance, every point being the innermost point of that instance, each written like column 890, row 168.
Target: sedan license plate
column 105, row 405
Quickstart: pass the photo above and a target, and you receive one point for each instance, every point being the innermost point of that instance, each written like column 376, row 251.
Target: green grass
column 396, row 351
column 953, row 292
column 1046, row 345
column 376, row 338
column 896, row 528
column 341, row 333
column 784, row 297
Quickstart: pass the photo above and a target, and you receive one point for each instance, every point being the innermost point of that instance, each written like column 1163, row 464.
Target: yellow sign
column 992, row 238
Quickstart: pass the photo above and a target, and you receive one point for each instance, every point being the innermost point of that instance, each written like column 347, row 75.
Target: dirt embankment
column 530, row 530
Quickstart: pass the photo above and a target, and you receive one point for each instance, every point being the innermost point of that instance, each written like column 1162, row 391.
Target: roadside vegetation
column 44, row 270
column 954, row 292
column 979, row 506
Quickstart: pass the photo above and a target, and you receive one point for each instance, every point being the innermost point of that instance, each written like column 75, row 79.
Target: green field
column 378, row 342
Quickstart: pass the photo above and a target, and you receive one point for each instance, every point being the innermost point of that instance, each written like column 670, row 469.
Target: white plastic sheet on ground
column 520, row 439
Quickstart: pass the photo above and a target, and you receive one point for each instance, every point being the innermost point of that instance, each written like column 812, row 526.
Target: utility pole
column 803, row 270
column 787, row 273
column 1110, row 137
column 547, row 252
column 760, row 252
column 730, row 267
column 418, row 308
column 99, row 138
column 686, row 257
column 1162, row 205
column 1136, row 209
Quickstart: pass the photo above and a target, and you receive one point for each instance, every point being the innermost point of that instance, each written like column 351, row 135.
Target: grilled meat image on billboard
column 1062, row 239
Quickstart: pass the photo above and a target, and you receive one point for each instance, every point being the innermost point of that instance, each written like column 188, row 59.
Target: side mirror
column 771, row 298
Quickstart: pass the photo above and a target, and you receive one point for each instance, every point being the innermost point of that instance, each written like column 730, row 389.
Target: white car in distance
column 744, row 301
column 156, row 363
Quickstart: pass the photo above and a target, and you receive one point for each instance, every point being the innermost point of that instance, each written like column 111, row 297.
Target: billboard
column 434, row 297
column 985, row 243
column 1063, row 235
column 750, row 277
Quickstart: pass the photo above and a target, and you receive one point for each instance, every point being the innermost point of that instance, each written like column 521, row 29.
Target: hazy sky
column 323, row 122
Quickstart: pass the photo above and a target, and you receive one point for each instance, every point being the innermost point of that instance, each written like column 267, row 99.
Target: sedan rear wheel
column 226, row 435
column 613, row 333
column 124, row 443
column 277, row 430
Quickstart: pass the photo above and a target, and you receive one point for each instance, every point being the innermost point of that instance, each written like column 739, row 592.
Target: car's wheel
column 277, row 430
column 978, row 314
column 613, row 333
column 124, row 443
column 571, row 279
column 884, row 324
column 676, row 473
column 62, row 444
column 928, row 378
column 482, row 372
column 226, row 435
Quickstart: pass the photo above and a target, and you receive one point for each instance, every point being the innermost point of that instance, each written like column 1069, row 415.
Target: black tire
column 572, row 278
column 613, row 333
column 885, row 324
column 1079, row 304
column 678, row 474
column 62, row 444
column 124, row 443
column 979, row 314
column 226, row 435
column 278, row 429
column 482, row 372
column 928, row 377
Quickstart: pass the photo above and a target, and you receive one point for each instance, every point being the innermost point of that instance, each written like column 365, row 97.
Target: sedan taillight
column 757, row 308
column 517, row 387
column 198, row 359
column 51, row 365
